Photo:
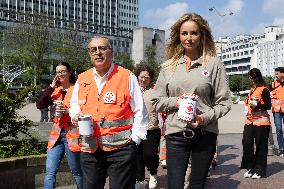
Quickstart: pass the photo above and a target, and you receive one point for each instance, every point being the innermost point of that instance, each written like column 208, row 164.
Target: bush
column 11, row 122
column 15, row 148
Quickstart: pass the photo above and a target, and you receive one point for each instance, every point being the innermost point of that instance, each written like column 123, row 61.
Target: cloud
column 235, row 6
column 275, row 9
column 166, row 16
column 170, row 11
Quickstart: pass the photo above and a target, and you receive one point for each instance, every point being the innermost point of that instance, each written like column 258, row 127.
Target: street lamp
column 222, row 15
column 218, row 12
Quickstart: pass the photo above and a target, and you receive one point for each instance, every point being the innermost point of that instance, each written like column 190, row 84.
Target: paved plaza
column 227, row 175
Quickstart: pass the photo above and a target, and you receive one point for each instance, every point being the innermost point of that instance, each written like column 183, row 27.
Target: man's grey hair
column 95, row 37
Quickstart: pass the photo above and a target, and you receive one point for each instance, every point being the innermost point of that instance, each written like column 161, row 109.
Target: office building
column 115, row 18
column 143, row 37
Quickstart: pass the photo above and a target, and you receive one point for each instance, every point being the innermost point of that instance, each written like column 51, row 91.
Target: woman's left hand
column 198, row 121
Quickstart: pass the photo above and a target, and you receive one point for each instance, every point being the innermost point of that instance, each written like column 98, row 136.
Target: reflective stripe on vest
column 115, row 141
column 89, row 144
column 72, row 136
column 117, row 123
column 107, row 143
column 54, row 135
column 116, row 137
column 275, row 105
column 259, row 121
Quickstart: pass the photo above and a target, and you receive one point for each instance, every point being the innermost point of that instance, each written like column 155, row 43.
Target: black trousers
column 201, row 147
column 119, row 165
column 148, row 154
column 256, row 160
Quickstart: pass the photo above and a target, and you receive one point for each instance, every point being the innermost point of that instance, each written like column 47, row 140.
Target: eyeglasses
column 144, row 77
column 93, row 50
column 62, row 72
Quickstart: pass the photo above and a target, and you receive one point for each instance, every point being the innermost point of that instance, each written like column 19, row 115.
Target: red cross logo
column 109, row 98
column 205, row 73
column 189, row 108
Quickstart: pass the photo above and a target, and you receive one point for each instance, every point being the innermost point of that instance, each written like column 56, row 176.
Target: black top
column 266, row 99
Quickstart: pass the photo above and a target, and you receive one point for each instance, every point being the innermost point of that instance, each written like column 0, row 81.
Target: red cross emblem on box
column 109, row 98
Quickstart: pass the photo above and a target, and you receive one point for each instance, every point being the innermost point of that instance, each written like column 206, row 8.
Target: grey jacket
column 153, row 115
column 207, row 81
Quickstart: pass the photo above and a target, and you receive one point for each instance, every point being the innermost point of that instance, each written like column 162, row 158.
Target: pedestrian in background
column 192, row 75
column 112, row 97
column 64, row 137
column 148, row 150
column 257, row 126
column 277, row 100
column 43, row 110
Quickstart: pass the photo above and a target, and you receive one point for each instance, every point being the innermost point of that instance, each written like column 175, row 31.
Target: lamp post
column 3, row 49
column 222, row 15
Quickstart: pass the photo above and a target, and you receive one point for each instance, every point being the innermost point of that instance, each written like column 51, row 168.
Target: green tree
column 268, row 80
column 150, row 57
column 74, row 53
column 238, row 83
column 123, row 59
column 11, row 122
column 30, row 43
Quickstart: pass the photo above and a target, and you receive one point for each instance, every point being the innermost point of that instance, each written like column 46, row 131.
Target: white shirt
column 141, row 119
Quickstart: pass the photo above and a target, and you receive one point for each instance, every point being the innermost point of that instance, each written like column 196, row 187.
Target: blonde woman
column 192, row 68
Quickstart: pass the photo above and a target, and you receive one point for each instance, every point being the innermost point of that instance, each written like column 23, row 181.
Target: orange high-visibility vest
column 277, row 97
column 111, row 112
column 72, row 133
column 255, row 116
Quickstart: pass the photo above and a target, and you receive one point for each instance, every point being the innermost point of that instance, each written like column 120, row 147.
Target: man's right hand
column 74, row 120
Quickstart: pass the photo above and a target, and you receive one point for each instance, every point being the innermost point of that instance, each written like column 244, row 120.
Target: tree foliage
column 74, row 53
column 268, row 80
column 11, row 122
column 123, row 59
column 150, row 59
column 238, row 83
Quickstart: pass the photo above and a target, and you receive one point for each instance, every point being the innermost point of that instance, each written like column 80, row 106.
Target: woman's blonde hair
column 174, row 49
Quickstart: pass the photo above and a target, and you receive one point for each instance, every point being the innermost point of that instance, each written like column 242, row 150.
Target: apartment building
column 263, row 51
column 269, row 54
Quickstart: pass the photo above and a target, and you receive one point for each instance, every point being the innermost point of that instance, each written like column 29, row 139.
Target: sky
column 249, row 16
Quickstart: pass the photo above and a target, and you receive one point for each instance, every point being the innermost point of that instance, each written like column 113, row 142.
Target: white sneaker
column 153, row 182
column 164, row 164
column 248, row 173
column 140, row 184
column 256, row 176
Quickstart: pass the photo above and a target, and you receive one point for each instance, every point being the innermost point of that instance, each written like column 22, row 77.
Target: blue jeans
column 278, row 121
column 54, row 157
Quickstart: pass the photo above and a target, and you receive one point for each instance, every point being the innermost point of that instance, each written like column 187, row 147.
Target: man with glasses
column 112, row 96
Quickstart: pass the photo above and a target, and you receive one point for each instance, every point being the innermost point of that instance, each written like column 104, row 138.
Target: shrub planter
column 27, row 172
